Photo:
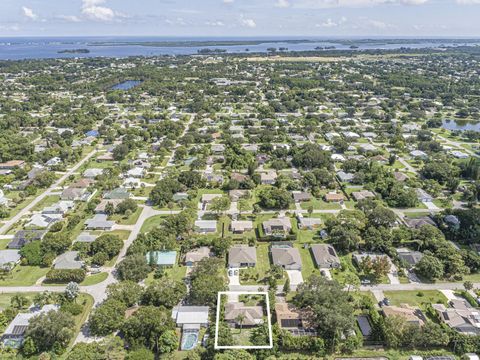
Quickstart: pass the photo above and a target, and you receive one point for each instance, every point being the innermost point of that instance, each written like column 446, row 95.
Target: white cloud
column 69, row 18
column 27, row 12
column 468, row 2
column 93, row 10
column 322, row 4
column 282, row 4
column 248, row 22
column 215, row 23
column 329, row 23
column 228, row 1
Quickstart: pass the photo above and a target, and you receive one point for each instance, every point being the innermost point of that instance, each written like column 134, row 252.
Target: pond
column 461, row 125
column 126, row 85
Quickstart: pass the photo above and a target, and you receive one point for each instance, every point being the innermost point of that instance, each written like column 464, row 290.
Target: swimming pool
column 189, row 340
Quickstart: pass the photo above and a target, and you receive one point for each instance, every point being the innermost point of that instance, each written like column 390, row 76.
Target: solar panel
column 19, row 329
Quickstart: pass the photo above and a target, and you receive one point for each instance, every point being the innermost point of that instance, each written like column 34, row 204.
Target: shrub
column 65, row 275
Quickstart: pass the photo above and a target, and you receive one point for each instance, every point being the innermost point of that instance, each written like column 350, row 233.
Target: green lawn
column 308, row 266
column 46, row 201
column 176, row 273
column 415, row 298
column 131, row 220
column 94, row 279
column 24, row 276
column 5, row 298
column 263, row 265
column 151, row 223
column 347, row 273
column 319, row 204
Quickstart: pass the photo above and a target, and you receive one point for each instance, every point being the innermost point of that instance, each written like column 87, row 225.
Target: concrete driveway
column 295, row 277
column 233, row 279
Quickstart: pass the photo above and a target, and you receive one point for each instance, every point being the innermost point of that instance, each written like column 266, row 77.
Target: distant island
column 74, row 51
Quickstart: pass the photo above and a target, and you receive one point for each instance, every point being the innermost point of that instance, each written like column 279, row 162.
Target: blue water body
column 459, row 125
column 126, row 85
column 39, row 48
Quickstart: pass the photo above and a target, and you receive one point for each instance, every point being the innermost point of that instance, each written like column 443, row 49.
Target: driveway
column 430, row 205
column 233, row 279
column 295, row 277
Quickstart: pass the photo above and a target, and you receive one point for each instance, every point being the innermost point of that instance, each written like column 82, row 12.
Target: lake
column 459, row 125
column 120, row 47
column 126, row 85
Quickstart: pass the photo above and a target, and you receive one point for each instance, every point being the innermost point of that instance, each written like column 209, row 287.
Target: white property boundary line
column 217, row 321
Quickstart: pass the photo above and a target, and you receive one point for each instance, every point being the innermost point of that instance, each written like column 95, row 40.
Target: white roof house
column 190, row 315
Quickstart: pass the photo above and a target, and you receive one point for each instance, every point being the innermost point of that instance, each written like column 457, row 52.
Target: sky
column 240, row 18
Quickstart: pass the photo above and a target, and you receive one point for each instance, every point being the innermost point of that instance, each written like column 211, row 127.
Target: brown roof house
column 241, row 256
column 194, row 256
column 334, row 197
column 364, row 194
column 460, row 316
column 277, row 227
column 289, row 318
column 410, row 314
column 241, row 226
column 325, row 256
column 286, row 256
column 250, row 315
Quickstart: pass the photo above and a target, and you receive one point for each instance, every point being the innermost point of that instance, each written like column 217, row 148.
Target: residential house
column 399, row 176
column 74, row 194
column 460, row 316
column 364, row 194
column 277, row 226
column 241, row 226
column 42, row 221
column 13, row 335
column 419, row 154
column 12, row 164
column 250, row 315
column 334, row 197
column 99, row 222
column 300, row 196
column 190, row 315
column 417, row 223
column 410, row 257
column 118, row 193
column 101, row 207
column 92, row 173
column 68, row 261
column 205, row 226
column 180, row 196
column 325, row 256
column 236, row 195
column 85, row 237
column 345, row 177
column 194, row 256
column 241, row 256
column 410, row 314
column 268, row 178
column 290, row 319
column 9, row 258
column 62, row 207
column 286, row 256
column 308, row 223
column 23, row 237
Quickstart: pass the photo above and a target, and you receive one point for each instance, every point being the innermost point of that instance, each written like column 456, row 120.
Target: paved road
column 8, row 224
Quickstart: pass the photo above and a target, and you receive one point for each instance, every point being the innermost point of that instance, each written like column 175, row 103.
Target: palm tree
column 240, row 319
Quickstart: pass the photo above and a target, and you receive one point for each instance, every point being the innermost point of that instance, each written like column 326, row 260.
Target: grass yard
column 151, row 223
column 6, row 297
column 262, row 268
column 319, row 204
column 242, row 336
column 416, row 298
column 347, row 274
column 87, row 302
column 46, row 201
column 24, row 276
column 176, row 273
column 308, row 266
column 131, row 220
column 94, row 279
